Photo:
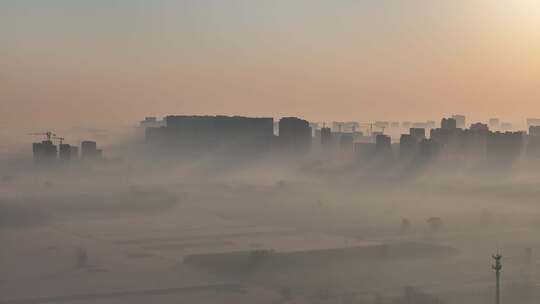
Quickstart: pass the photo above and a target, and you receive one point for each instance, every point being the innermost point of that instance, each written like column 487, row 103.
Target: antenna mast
column 497, row 267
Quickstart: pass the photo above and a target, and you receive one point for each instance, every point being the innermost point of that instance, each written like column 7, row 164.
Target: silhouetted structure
column 408, row 146
column 191, row 135
column 429, row 149
column 418, row 133
column 533, row 141
column 504, row 146
column 497, row 267
column 383, row 145
column 44, row 152
column 460, row 121
column 74, row 152
column 65, row 153
column 326, row 137
column 479, row 127
column 89, row 150
column 474, row 141
column 534, row 131
column 448, row 124
column 294, row 133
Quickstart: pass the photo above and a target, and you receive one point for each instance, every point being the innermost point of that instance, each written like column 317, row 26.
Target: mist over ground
column 141, row 226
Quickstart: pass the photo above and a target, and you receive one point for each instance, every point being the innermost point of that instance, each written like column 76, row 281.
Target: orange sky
column 114, row 62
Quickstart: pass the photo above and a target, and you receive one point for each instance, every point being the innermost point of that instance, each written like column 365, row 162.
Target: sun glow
column 523, row 12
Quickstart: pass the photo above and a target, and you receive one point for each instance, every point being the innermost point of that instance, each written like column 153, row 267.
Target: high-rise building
column 191, row 135
column 44, row 152
column 294, row 133
column 383, row 144
column 418, row 133
column 479, row 127
column 429, row 149
column 326, row 137
column 460, row 121
column 504, row 146
column 408, row 146
column 533, row 141
column 89, row 150
column 65, row 153
column 448, row 123
column 534, row 131
column 74, row 152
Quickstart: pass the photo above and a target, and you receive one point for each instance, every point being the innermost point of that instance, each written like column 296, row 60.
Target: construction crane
column 47, row 134
column 497, row 267
column 60, row 139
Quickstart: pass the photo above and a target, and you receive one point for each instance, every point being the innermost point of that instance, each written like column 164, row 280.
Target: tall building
column 326, row 137
column 460, row 121
column 418, row 133
column 294, row 133
column 192, row 135
column 74, row 152
column 533, row 141
column 89, row 150
column 448, row 123
column 408, row 146
column 479, row 127
column 448, row 137
column 44, row 152
column 429, row 149
column 534, row 131
column 383, row 144
column 65, row 153
column 504, row 146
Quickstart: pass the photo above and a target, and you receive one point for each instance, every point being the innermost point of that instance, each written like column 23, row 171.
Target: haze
column 273, row 152
column 112, row 62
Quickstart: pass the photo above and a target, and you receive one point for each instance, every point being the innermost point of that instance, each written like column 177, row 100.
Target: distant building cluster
column 381, row 139
column 46, row 152
column 193, row 134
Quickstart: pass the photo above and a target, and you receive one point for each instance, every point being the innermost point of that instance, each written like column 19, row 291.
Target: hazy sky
column 106, row 62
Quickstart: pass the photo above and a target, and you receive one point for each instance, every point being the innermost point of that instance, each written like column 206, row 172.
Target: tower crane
column 47, row 134
column 60, row 139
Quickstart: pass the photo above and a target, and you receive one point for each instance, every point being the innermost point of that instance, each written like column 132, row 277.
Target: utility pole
column 497, row 267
